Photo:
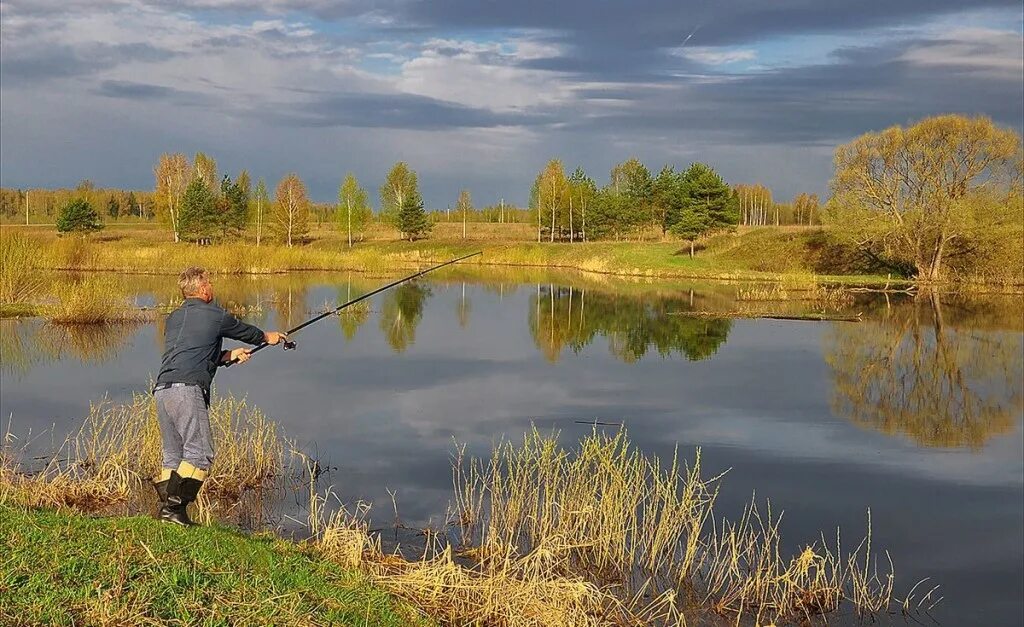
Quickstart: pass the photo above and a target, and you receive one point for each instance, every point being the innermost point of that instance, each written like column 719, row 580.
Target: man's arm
column 233, row 328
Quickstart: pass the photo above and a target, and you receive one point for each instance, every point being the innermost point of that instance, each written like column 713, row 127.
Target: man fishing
column 193, row 351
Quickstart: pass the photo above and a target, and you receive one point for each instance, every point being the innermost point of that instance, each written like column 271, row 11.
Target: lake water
column 914, row 412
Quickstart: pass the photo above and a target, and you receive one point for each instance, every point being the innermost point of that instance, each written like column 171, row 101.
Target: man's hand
column 237, row 355
column 274, row 337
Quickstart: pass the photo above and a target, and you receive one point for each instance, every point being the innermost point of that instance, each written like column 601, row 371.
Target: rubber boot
column 161, row 494
column 180, row 492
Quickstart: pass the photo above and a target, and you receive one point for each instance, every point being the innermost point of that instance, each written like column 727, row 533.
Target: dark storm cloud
column 862, row 89
column 628, row 24
column 595, row 81
column 626, row 40
column 399, row 111
column 39, row 63
column 128, row 90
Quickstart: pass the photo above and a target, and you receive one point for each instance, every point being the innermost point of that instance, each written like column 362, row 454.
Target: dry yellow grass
column 604, row 535
column 95, row 299
column 19, row 281
column 599, row 534
column 112, row 457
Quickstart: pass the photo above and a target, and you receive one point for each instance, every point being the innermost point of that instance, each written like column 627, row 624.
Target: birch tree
column 260, row 202
column 400, row 182
column 173, row 175
column 205, row 169
column 464, row 205
column 552, row 194
column 353, row 209
column 291, row 209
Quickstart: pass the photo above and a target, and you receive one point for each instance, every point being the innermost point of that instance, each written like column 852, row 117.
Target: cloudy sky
column 480, row 93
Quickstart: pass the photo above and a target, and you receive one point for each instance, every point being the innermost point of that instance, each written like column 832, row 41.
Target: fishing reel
column 288, row 345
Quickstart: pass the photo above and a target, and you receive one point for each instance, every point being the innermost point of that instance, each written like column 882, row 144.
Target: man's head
column 194, row 283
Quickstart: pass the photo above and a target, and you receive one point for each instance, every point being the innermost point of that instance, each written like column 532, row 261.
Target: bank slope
column 66, row 569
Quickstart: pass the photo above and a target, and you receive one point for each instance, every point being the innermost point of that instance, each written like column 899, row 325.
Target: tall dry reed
column 95, row 299
column 111, row 458
column 19, row 280
column 610, row 516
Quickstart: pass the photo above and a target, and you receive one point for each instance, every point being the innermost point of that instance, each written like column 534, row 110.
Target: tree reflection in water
column 25, row 344
column 565, row 317
column 353, row 316
column 400, row 313
column 941, row 382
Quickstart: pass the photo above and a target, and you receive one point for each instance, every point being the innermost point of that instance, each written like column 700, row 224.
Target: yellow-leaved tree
column 918, row 198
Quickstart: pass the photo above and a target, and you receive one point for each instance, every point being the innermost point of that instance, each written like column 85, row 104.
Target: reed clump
column 113, row 456
column 95, row 299
column 643, row 534
column 19, row 280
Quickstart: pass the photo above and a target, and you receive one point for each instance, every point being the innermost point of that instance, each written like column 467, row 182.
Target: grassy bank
column 763, row 254
column 60, row 568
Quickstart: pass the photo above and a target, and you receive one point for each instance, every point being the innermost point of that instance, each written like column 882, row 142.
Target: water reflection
column 351, row 318
column 400, row 314
column 943, row 373
column 27, row 344
column 564, row 317
column 462, row 308
column 913, row 372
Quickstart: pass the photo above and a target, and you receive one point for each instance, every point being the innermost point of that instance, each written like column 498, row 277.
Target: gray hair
column 190, row 280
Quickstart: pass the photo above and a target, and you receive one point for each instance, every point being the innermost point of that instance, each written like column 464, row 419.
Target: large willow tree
column 913, row 197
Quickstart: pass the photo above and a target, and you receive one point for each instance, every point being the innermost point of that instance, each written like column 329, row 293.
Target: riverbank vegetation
column 108, row 462
column 535, row 538
column 940, row 201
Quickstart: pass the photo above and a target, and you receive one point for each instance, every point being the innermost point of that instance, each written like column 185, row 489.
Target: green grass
column 19, row 310
column 68, row 569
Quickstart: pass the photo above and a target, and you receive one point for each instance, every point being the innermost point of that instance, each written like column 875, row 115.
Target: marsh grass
column 108, row 463
column 19, row 281
column 597, row 534
column 607, row 515
column 605, row 535
column 95, row 299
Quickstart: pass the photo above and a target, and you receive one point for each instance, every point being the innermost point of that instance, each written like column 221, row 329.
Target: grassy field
column 60, row 568
column 754, row 254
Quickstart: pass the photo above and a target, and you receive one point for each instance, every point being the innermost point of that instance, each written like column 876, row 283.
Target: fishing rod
column 288, row 345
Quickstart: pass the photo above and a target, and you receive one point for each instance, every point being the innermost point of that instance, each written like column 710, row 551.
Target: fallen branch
column 814, row 317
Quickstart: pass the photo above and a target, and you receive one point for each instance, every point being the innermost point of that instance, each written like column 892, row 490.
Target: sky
column 479, row 94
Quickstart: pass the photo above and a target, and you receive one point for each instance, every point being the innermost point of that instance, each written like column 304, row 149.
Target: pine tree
column 198, row 217
column 233, row 206
column 412, row 219
column 78, row 216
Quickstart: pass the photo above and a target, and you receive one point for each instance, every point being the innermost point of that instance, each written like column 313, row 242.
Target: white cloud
column 483, row 75
column 997, row 53
column 717, row 56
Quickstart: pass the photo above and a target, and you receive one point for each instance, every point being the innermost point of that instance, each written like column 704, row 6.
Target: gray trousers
column 184, row 419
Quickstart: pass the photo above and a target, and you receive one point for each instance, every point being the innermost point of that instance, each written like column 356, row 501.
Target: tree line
column 45, row 205
column 686, row 203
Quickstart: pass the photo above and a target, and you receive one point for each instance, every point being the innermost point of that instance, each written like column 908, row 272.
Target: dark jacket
column 193, row 336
